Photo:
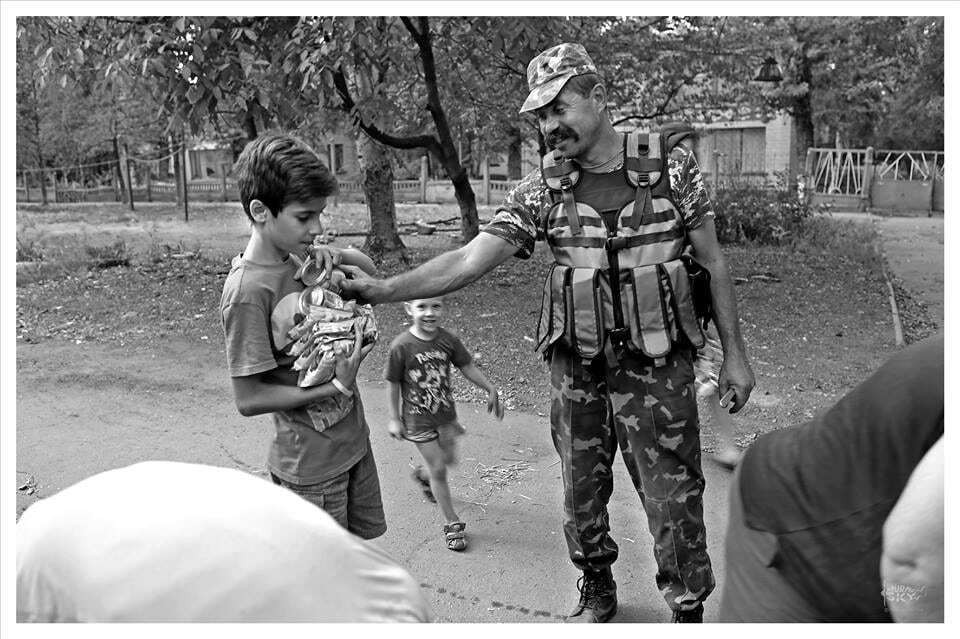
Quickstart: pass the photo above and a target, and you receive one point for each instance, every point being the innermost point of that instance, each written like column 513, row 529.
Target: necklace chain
column 615, row 155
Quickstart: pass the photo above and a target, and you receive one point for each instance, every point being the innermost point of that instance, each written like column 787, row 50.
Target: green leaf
column 195, row 93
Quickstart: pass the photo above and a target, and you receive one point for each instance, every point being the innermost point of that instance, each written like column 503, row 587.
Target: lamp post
column 769, row 71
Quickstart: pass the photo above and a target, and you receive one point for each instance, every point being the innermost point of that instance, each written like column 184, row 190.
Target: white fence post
column 423, row 179
column 486, row 179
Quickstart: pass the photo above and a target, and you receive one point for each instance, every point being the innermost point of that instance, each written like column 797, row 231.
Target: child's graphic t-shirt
column 422, row 368
column 258, row 308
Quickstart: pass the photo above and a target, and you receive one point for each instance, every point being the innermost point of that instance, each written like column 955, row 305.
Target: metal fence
column 225, row 189
column 886, row 179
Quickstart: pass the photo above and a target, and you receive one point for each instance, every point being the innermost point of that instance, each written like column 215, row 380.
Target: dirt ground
column 125, row 364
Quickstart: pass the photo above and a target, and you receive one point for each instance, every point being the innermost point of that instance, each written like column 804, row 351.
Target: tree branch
column 350, row 107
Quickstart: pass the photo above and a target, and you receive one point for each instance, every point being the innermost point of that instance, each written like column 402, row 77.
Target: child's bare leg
column 435, row 459
column 447, row 440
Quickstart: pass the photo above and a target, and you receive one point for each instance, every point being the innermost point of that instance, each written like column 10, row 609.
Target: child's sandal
column 456, row 538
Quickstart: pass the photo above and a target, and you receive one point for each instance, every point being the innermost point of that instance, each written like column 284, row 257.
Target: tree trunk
column 515, row 155
column 446, row 150
column 803, row 110
column 466, row 198
column 116, row 156
column 250, row 124
column 36, row 133
column 177, row 173
column 384, row 238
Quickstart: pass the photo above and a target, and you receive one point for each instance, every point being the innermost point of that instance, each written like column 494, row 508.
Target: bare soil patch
column 815, row 315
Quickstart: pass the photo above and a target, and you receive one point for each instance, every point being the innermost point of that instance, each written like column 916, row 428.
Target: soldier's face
column 571, row 123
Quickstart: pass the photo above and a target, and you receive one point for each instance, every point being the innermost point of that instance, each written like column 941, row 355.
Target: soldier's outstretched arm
column 443, row 274
column 735, row 372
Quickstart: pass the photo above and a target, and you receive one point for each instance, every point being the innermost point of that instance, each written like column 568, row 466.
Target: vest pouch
column 682, row 302
column 553, row 308
column 587, row 321
column 699, row 289
column 650, row 312
column 628, row 301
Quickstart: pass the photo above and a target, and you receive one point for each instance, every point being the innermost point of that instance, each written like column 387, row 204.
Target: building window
column 338, row 159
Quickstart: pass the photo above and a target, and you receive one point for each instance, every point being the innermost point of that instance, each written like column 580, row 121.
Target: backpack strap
column 644, row 165
column 673, row 133
column 561, row 175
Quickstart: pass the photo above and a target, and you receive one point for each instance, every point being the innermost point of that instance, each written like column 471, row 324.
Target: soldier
column 617, row 325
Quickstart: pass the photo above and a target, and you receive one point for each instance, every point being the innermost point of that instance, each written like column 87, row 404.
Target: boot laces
column 592, row 589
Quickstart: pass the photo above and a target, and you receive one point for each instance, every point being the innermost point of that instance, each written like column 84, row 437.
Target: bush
column 29, row 251
column 760, row 214
column 115, row 254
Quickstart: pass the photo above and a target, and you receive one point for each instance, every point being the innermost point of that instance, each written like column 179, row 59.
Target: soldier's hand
column 736, row 375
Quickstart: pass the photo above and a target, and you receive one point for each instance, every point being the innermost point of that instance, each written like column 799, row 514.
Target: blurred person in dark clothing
column 841, row 519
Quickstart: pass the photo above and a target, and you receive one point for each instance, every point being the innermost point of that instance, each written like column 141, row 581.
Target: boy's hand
column 395, row 428
column 327, row 256
column 346, row 368
column 493, row 404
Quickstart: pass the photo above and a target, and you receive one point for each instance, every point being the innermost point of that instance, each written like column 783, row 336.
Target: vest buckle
column 566, row 183
column 615, row 243
column 643, row 180
column 619, row 336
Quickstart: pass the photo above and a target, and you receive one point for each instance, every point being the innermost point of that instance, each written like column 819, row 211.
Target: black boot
column 598, row 598
column 694, row 615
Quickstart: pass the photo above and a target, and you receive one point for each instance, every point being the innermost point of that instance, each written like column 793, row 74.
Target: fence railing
column 430, row 191
column 899, row 180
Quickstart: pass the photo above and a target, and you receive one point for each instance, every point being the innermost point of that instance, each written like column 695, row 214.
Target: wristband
column 340, row 387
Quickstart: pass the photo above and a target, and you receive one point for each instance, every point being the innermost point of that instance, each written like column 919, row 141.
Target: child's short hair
column 278, row 168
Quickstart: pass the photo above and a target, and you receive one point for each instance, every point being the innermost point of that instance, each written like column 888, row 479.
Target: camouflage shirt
column 522, row 211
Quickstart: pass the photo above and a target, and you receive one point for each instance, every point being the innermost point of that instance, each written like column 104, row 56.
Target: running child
column 421, row 402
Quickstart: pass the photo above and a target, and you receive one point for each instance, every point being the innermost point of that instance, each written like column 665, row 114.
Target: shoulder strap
column 643, row 163
column 560, row 176
column 674, row 133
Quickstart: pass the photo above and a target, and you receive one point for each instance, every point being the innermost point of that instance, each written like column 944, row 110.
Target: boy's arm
column 254, row 396
column 395, row 425
column 475, row 375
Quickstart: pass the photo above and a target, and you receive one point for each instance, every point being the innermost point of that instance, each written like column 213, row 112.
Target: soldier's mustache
column 559, row 136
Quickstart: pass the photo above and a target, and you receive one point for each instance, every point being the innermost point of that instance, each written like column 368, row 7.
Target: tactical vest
column 649, row 308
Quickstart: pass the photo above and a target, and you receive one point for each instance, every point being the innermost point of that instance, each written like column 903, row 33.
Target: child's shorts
column 706, row 366
column 424, row 434
column 352, row 497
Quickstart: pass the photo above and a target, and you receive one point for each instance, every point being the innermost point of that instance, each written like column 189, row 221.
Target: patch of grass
column 115, row 254
column 29, row 250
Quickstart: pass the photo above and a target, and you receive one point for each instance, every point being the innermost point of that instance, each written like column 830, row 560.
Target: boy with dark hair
column 284, row 188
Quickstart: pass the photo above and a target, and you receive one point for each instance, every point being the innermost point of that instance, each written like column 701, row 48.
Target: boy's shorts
column 352, row 497
column 424, row 434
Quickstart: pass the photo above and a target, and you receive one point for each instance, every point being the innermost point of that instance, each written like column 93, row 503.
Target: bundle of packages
column 327, row 332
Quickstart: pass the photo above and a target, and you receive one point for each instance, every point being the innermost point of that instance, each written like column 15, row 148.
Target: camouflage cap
column 548, row 73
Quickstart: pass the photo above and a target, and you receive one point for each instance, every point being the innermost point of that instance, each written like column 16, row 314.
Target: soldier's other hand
column 736, row 375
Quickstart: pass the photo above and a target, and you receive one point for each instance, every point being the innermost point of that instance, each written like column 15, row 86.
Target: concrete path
column 116, row 406
column 119, row 406
column 914, row 251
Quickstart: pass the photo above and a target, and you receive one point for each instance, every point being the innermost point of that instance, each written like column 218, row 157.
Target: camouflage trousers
column 651, row 412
